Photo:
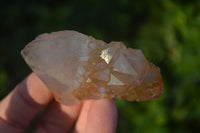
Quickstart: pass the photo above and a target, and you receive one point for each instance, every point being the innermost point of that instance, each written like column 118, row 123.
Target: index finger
column 23, row 103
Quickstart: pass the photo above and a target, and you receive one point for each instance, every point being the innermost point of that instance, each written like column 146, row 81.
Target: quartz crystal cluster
column 76, row 67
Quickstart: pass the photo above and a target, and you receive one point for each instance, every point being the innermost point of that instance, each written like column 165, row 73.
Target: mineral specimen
column 76, row 67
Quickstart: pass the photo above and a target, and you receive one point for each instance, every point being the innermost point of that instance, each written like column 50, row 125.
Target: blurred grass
column 168, row 32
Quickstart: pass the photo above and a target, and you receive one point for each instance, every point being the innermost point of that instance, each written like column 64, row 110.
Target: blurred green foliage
column 168, row 32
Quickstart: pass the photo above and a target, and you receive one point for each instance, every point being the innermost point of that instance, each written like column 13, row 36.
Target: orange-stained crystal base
column 76, row 67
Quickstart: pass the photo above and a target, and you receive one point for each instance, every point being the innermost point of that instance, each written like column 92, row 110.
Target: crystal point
column 76, row 67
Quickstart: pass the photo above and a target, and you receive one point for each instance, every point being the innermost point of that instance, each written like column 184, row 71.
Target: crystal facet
column 76, row 67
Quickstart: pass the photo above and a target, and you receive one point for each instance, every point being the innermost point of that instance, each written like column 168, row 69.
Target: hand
column 29, row 97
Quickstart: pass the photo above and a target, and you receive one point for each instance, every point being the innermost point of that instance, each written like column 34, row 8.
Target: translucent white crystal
column 76, row 67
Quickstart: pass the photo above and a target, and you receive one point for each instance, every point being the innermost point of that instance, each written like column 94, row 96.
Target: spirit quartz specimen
column 76, row 67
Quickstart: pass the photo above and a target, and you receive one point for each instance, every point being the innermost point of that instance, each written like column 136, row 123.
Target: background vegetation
column 167, row 31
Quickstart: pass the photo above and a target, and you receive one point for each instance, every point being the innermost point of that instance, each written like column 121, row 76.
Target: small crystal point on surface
column 76, row 67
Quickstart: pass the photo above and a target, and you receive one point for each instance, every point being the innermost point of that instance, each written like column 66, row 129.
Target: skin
column 30, row 96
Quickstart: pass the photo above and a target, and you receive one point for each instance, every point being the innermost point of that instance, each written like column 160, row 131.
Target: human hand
column 29, row 97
